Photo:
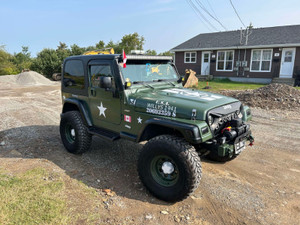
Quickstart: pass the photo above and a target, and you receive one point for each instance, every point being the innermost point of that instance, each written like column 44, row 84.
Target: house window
column 261, row 60
column 190, row 57
column 206, row 57
column 225, row 60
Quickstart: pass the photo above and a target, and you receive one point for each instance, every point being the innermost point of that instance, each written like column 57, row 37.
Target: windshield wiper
column 143, row 83
column 159, row 80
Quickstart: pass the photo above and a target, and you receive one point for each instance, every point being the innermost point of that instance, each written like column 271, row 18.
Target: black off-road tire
column 81, row 140
column 187, row 168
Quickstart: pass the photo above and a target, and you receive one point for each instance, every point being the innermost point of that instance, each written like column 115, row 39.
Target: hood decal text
column 195, row 94
column 161, row 108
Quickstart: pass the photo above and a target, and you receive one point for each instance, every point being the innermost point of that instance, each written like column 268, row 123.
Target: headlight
column 240, row 115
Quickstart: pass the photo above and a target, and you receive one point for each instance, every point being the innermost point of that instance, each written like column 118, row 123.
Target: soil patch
column 272, row 96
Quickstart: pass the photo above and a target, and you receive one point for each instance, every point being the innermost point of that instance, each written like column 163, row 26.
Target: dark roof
column 281, row 35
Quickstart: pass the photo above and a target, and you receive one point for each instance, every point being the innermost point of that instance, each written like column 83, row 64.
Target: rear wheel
column 74, row 133
column 169, row 167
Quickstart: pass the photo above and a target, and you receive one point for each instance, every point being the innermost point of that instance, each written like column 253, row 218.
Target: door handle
column 93, row 92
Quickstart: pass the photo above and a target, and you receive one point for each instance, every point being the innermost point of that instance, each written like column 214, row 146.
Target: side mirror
column 105, row 82
column 68, row 82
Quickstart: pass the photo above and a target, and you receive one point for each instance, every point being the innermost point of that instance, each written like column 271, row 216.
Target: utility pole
column 248, row 32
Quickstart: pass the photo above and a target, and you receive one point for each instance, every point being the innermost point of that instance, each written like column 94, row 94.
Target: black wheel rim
column 70, row 133
column 164, row 170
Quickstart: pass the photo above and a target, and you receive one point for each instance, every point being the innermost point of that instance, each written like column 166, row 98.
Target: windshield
column 143, row 72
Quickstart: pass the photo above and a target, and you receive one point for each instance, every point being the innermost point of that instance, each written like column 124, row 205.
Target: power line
column 198, row 15
column 201, row 15
column 211, row 8
column 237, row 13
column 198, row 12
column 203, row 7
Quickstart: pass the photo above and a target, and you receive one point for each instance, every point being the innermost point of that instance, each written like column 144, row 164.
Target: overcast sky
column 164, row 23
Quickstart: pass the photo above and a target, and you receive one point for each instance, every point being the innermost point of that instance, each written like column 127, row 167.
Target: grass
column 41, row 197
column 226, row 84
column 34, row 197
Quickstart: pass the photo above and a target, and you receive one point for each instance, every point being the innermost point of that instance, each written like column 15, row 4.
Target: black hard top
column 99, row 56
column 119, row 56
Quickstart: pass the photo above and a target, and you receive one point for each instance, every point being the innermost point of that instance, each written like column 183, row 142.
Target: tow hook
column 251, row 139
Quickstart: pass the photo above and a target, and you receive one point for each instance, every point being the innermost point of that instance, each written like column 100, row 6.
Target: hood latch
column 194, row 114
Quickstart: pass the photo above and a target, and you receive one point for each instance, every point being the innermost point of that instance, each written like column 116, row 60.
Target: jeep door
column 104, row 103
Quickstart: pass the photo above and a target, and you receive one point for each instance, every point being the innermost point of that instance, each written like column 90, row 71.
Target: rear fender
column 71, row 104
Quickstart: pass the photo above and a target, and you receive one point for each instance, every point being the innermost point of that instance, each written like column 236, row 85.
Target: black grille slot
column 222, row 116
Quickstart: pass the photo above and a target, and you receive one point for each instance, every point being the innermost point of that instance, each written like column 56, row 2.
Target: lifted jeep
column 145, row 101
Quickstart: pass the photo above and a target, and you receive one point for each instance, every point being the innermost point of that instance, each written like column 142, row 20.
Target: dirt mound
column 272, row 96
column 24, row 79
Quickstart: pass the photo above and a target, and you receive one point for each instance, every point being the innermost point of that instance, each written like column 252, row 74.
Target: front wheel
column 169, row 167
column 74, row 133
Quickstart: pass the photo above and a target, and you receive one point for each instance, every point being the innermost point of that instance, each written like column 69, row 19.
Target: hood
column 178, row 102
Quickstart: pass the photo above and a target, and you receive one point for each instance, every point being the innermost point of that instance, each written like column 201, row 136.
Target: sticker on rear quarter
column 127, row 118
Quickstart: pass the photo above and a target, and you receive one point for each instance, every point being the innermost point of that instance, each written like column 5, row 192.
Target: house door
column 287, row 62
column 205, row 63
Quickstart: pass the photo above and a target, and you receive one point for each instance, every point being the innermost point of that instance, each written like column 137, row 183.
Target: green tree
column 76, row 50
column 151, row 52
column 62, row 51
column 168, row 53
column 132, row 42
column 100, row 45
column 6, row 63
column 250, row 26
column 25, row 52
column 116, row 46
column 22, row 60
column 47, row 62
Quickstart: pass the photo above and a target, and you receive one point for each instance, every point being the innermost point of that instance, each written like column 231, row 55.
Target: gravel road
column 261, row 186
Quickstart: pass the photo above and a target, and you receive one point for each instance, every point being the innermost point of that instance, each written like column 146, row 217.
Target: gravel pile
column 272, row 96
column 32, row 78
column 25, row 79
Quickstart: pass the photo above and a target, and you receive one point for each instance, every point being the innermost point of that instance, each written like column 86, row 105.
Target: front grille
column 219, row 118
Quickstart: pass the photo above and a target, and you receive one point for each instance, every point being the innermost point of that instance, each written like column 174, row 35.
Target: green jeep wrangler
column 145, row 101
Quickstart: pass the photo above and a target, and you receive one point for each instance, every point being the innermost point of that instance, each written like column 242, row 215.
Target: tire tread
column 84, row 137
column 189, row 157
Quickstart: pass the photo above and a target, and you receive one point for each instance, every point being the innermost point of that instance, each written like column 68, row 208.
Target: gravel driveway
column 261, row 186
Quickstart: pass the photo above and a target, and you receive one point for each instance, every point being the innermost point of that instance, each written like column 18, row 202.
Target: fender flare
column 82, row 109
column 190, row 132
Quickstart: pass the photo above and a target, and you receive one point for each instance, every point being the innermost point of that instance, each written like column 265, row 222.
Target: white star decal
column 101, row 110
column 139, row 119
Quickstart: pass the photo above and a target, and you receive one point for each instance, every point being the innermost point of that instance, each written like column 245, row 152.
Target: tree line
column 49, row 61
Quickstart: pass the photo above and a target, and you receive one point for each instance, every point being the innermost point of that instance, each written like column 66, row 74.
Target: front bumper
column 230, row 148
